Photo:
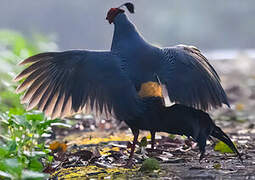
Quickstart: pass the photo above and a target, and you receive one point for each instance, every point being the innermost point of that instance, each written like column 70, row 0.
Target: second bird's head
column 113, row 12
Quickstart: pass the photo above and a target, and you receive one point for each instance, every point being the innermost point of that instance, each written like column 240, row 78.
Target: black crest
column 129, row 6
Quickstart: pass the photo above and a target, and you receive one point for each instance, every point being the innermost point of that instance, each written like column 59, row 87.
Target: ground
column 97, row 148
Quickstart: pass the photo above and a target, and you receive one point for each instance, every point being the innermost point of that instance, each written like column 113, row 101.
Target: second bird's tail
column 219, row 134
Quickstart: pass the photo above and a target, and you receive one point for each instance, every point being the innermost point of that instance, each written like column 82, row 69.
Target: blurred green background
column 13, row 48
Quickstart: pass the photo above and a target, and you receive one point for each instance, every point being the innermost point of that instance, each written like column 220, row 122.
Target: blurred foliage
column 21, row 144
column 22, row 134
column 14, row 47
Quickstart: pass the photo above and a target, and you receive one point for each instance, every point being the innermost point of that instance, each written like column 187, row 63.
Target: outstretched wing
column 190, row 79
column 62, row 83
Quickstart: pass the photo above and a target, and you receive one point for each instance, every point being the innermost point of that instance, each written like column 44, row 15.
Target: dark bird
column 185, row 75
column 119, row 82
column 184, row 120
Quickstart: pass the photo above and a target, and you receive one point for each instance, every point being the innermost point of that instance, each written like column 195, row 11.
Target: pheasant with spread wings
column 131, row 82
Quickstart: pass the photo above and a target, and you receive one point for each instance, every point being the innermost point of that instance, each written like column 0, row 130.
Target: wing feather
column 190, row 79
column 26, row 72
column 62, row 83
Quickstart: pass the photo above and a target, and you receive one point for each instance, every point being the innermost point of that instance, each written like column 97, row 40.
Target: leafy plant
column 22, row 143
column 22, row 134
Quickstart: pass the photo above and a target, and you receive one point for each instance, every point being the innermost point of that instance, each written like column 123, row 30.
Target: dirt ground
column 96, row 148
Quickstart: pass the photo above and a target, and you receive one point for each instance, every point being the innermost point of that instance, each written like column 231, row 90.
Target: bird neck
column 125, row 32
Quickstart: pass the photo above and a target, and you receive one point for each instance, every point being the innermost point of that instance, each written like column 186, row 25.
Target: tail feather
column 219, row 134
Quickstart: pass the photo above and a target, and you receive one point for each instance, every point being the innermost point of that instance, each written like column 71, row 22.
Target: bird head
column 113, row 12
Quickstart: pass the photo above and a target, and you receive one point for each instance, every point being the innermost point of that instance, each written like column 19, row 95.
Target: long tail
column 219, row 134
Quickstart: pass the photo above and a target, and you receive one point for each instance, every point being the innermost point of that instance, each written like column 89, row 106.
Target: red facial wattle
column 112, row 13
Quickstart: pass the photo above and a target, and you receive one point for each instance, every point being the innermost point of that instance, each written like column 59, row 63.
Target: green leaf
column 143, row 142
column 24, row 160
column 7, row 138
column 4, row 118
column 11, row 166
column 39, row 153
column 50, row 159
column 150, row 165
column 171, row 136
column 12, row 163
column 12, row 146
column 3, row 152
column 35, row 165
column 5, row 175
column 19, row 120
column 16, row 111
column 46, row 123
column 217, row 166
column 23, row 121
column 61, row 124
column 27, row 174
column 222, row 147
column 35, row 116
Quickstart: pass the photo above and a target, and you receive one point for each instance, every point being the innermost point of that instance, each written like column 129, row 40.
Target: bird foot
column 201, row 158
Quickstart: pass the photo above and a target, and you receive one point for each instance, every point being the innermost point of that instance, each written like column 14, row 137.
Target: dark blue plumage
column 110, row 82
column 63, row 83
column 183, row 120
column 187, row 74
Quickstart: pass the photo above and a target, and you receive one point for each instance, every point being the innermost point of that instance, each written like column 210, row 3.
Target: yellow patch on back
column 150, row 89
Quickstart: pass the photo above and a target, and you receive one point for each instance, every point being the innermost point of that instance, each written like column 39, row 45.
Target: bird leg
column 202, row 155
column 136, row 134
column 152, row 139
column 201, row 144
